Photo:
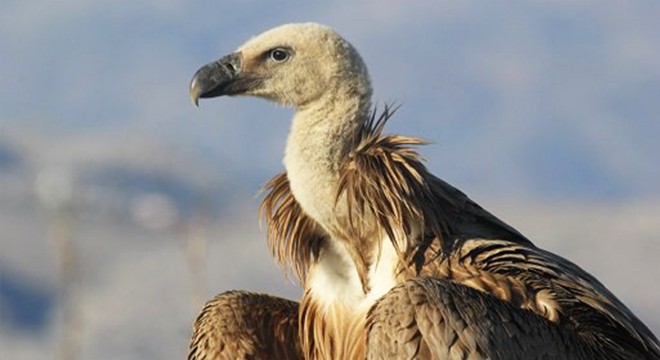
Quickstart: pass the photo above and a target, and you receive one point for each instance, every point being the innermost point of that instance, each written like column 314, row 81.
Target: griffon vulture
column 394, row 262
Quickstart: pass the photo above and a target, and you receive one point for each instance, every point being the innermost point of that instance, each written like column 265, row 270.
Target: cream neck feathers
column 322, row 135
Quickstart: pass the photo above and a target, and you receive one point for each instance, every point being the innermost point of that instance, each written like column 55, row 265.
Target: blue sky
column 543, row 99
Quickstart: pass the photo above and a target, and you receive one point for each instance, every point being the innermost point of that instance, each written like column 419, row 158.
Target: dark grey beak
column 216, row 78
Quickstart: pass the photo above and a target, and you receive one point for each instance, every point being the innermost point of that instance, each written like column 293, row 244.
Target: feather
column 293, row 237
column 394, row 262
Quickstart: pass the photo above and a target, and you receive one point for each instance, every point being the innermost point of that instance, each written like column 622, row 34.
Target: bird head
column 292, row 65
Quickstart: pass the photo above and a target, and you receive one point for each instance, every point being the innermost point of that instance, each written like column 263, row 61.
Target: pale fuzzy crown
column 321, row 63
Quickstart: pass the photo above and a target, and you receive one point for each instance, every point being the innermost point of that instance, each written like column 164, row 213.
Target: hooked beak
column 217, row 78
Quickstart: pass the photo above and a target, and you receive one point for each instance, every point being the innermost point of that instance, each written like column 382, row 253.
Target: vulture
column 394, row 262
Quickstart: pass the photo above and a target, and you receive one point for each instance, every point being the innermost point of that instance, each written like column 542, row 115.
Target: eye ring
column 279, row 55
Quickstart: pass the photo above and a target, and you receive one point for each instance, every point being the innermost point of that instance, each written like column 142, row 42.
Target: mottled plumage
column 394, row 262
column 462, row 245
column 243, row 325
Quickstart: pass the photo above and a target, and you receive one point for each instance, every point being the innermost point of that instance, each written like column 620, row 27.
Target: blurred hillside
column 122, row 207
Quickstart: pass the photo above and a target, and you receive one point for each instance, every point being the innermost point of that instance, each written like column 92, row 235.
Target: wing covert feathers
column 430, row 318
column 242, row 325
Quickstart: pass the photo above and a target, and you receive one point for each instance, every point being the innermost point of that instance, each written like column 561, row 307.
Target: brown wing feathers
column 384, row 179
column 384, row 182
column 243, row 325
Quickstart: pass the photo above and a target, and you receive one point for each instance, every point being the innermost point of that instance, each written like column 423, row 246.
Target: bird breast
column 334, row 279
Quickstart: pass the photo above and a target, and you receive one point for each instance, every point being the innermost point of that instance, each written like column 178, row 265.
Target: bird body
column 394, row 262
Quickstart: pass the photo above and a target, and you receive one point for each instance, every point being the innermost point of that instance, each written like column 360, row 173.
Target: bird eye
column 279, row 55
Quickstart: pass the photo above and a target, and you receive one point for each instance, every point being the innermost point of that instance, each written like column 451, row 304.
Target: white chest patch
column 335, row 281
